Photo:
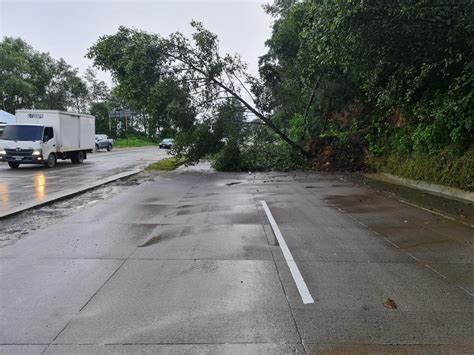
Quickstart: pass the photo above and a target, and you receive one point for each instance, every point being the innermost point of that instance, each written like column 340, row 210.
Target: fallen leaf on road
column 389, row 303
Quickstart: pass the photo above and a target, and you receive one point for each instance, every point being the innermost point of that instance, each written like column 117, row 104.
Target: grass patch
column 446, row 168
column 133, row 142
column 165, row 165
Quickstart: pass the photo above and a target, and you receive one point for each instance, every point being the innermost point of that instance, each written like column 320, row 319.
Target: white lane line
column 295, row 272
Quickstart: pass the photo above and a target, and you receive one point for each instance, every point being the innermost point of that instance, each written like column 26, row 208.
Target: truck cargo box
column 73, row 131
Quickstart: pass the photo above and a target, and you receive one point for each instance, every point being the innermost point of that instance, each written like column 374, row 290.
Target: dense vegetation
column 31, row 79
column 395, row 77
column 346, row 85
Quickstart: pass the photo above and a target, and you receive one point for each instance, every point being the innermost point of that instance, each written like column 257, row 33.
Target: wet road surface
column 189, row 263
column 20, row 225
column 35, row 184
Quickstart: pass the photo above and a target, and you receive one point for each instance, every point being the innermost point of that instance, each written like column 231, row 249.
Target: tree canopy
column 31, row 79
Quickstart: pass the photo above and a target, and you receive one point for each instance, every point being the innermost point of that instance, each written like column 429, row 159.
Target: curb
column 70, row 193
column 444, row 191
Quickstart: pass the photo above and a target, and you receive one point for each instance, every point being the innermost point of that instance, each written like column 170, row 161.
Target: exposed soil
column 336, row 154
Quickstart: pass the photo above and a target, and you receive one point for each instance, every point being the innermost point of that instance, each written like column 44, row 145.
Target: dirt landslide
column 348, row 154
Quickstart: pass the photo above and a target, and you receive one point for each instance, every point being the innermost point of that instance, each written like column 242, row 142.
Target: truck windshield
column 22, row 133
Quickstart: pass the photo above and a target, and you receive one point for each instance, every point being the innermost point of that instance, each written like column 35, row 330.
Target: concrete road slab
column 39, row 297
column 336, row 349
column 346, row 286
column 79, row 240
column 119, row 213
column 22, row 349
column 218, row 213
column 323, row 243
column 205, row 273
column 164, row 192
column 390, row 213
column 315, row 216
column 319, row 326
column 429, row 245
column 155, row 301
column 224, row 242
column 342, row 190
column 213, row 197
column 458, row 274
column 230, row 349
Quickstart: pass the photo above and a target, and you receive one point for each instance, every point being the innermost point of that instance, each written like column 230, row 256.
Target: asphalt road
column 34, row 184
column 189, row 263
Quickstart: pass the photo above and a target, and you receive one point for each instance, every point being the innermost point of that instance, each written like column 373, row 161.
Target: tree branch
column 266, row 120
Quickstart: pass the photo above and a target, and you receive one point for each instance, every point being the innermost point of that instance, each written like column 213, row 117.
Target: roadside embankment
column 444, row 191
column 447, row 168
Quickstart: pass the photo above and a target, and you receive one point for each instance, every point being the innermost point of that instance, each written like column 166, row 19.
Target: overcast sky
column 67, row 28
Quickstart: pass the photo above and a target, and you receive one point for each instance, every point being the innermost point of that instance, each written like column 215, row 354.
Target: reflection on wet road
column 35, row 183
column 40, row 186
column 3, row 195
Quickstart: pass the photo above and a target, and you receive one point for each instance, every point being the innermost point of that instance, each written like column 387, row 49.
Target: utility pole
column 126, row 127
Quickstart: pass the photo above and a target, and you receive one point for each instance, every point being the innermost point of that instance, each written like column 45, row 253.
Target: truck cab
column 27, row 144
column 2, row 128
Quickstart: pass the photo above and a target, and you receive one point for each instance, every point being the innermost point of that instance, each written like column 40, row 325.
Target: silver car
column 102, row 141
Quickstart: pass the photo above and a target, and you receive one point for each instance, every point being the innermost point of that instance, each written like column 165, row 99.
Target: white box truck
column 2, row 128
column 43, row 136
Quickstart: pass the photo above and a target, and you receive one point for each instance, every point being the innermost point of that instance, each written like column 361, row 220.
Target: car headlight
column 37, row 152
column 3, row 152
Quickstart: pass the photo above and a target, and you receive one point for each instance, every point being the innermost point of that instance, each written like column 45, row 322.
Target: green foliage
column 447, row 167
column 228, row 158
column 100, row 111
column 261, row 150
column 165, row 165
column 401, row 141
column 401, row 73
column 30, row 79
column 181, row 86
column 297, row 127
column 208, row 136
column 277, row 156
column 134, row 141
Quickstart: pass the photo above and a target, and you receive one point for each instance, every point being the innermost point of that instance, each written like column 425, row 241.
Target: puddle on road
column 20, row 225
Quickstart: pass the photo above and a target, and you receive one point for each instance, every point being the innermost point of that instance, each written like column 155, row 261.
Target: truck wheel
column 109, row 147
column 80, row 157
column 13, row 165
column 77, row 158
column 51, row 161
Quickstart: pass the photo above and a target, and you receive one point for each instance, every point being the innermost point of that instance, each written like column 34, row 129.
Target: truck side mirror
column 45, row 139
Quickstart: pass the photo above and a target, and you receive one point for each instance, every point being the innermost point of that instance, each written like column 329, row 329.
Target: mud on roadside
column 20, row 225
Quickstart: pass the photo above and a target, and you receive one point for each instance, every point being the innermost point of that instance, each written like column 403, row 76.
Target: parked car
column 102, row 141
column 166, row 143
